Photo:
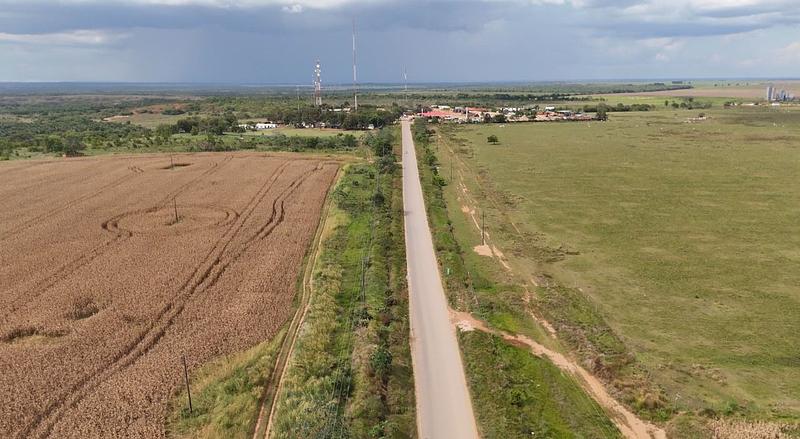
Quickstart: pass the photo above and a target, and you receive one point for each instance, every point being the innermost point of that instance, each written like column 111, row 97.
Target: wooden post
column 483, row 226
column 186, row 378
column 171, row 163
column 175, row 207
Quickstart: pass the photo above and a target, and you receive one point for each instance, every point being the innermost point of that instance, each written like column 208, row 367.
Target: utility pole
column 175, row 208
column 171, row 163
column 355, row 76
column 186, row 378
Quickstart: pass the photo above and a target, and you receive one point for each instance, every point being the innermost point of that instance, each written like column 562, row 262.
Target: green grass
column 351, row 373
column 151, row 120
column 518, row 395
column 514, row 393
column 682, row 238
column 225, row 395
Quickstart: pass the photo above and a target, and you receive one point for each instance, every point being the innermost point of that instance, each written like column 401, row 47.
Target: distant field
column 682, row 235
column 147, row 120
column 304, row 132
column 722, row 90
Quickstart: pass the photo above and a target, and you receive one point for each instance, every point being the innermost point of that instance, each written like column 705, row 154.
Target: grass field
column 148, row 120
column 303, row 132
column 538, row 399
column 681, row 236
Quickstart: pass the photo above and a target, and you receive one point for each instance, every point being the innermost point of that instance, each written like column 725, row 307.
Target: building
column 266, row 126
column 770, row 92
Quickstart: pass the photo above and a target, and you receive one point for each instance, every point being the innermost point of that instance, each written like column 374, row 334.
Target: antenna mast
column 317, row 85
column 355, row 77
column 405, row 81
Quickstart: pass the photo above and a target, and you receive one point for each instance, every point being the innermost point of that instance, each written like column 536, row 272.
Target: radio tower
column 317, row 85
column 355, row 77
column 405, row 82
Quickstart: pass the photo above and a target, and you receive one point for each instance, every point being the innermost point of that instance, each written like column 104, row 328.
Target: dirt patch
column 483, row 250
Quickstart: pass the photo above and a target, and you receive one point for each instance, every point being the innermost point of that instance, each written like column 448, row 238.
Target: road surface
column 444, row 408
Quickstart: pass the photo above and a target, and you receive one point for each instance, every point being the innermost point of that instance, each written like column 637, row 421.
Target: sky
column 278, row 41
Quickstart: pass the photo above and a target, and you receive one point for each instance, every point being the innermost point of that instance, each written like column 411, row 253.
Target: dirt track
column 101, row 291
column 626, row 421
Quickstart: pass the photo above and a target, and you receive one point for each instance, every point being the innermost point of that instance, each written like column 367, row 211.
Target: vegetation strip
column 264, row 420
column 350, row 373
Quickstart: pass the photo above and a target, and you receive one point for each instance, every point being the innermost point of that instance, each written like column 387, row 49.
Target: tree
column 602, row 112
column 73, row 144
column 52, row 143
column 492, row 139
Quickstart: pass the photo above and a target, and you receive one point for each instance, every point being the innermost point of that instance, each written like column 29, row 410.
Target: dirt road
column 444, row 408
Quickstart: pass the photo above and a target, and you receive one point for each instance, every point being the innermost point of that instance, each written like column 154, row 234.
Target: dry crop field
column 102, row 291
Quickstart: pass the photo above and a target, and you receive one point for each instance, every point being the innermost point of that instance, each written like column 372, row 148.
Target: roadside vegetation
column 351, row 373
column 225, row 395
column 537, row 399
column 519, row 395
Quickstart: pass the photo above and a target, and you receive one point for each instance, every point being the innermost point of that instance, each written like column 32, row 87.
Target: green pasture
column 682, row 235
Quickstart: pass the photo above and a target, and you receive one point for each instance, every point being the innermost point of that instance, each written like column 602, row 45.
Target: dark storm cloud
column 277, row 41
column 687, row 18
column 40, row 17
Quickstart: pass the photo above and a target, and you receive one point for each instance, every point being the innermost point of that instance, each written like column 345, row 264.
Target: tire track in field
column 33, row 221
column 203, row 277
column 269, row 399
column 119, row 236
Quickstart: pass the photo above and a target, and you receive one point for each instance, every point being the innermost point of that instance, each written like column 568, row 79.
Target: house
column 266, row 126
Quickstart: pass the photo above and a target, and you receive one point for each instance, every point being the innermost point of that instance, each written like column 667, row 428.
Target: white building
column 266, row 126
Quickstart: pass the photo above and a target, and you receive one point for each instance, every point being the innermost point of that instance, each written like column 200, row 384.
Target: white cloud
column 77, row 37
column 792, row 50
column 293, row 9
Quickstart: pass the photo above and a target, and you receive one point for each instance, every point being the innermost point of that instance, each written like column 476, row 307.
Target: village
column 445, row 113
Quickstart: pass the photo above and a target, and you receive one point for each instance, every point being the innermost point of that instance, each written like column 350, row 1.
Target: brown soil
column 102, row 292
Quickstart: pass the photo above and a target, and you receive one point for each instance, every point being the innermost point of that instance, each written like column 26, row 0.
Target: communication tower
column 317, row 85
column 355, row 77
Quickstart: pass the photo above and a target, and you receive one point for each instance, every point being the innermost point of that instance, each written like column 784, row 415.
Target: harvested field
column 102, row 289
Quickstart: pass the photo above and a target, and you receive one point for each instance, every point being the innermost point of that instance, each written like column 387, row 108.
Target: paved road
column 444, row 408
